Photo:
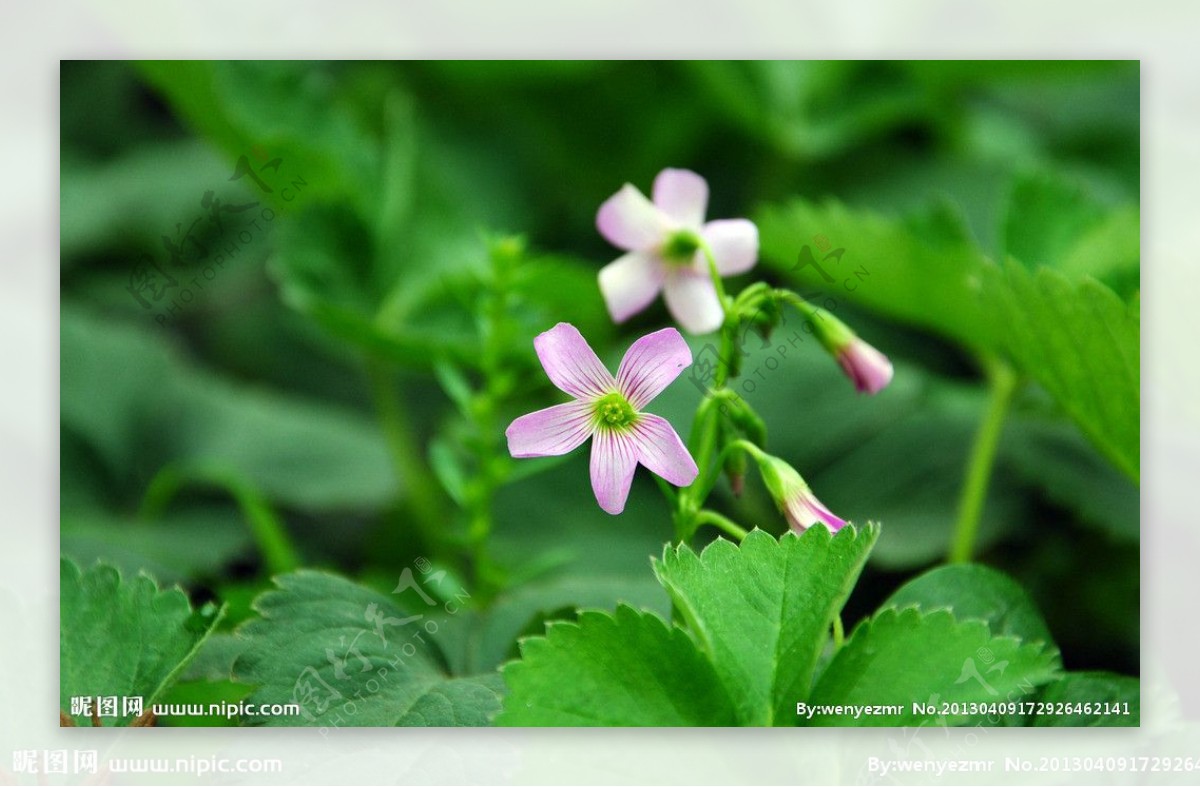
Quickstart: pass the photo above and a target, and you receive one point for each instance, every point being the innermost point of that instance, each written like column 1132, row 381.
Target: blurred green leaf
column 289, row 110
column 1056, row 222
column 1082, row 344
column 762, row 611
column 141, row 405
column 183, row 545
column 1080, row 341
column 123, row 638
column 1053, row 456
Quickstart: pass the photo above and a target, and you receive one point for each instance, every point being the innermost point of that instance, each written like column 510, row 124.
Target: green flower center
column 681, row 247
column 614, row 411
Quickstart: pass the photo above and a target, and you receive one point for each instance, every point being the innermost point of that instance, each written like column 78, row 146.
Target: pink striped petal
column 662, row 452
column 734, row 243
column 804, row 510
column 682, row 195
column 692, row 301
column 570, row 363
column 651, row 364
column 869, row 369
column 551, row 432
column 629, row 221
column 631, row 283
column 614, row 458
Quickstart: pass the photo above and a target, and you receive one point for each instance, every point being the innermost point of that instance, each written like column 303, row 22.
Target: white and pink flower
column 609, row 410
column 664, row 240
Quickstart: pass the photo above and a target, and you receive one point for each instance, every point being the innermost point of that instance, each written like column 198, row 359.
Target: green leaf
column 274, row 109
column 1070, row 472
column 1056, row 222
column 762, row 612
column 625, row 669
column 123, row 638
column 1082, row 344
column 351, row 656
column 458, row 702
column 901, row 657
column 181, row 545
column 1097, row 688
column 889, row 267
column 1077, row 339
column 973, row 592
column 140, row 405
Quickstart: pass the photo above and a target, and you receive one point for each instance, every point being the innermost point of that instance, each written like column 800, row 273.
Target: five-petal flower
column 609, row 410
column 663, row 239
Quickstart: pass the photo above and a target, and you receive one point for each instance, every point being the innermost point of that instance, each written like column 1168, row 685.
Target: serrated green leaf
column 458, row 702
column 1045, row 216
column 973, row 592
column 1096, row 688
column 351, row 656
column 1056, row 222
column 901, row 657
column 1082, row 344
column 123, row 638
column 625, row 669
column 908, row 276
column 1078, row 340
column 762, row 611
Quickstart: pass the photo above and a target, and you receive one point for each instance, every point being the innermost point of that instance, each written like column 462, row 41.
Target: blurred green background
column 318, row 398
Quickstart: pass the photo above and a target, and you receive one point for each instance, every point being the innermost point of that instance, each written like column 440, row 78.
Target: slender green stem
column 707, row 481
column 667, row 491
column 839, row 633
column 411, row 470
column 706, row 517
column 266, row 527
column 1003, row 383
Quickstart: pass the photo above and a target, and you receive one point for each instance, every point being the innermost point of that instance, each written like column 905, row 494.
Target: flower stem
column 721, row 522
column 1003, row 384
column 278, row 553
column 411, row 470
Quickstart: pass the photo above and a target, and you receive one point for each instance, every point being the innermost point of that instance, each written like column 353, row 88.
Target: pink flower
column 797, row 502
column 664, row 241
column 608, row 410
column 869, row 369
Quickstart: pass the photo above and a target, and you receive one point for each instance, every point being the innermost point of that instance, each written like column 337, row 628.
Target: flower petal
column 734, row 244
column 682, row 195
column 869, row 369
column 570, row 363
column 651, row 364
column 614, row 458
column 662, row 452
column 551, row 432
column 629, row 221
column 692, row 301
column 631, row 283
column 805, row 510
